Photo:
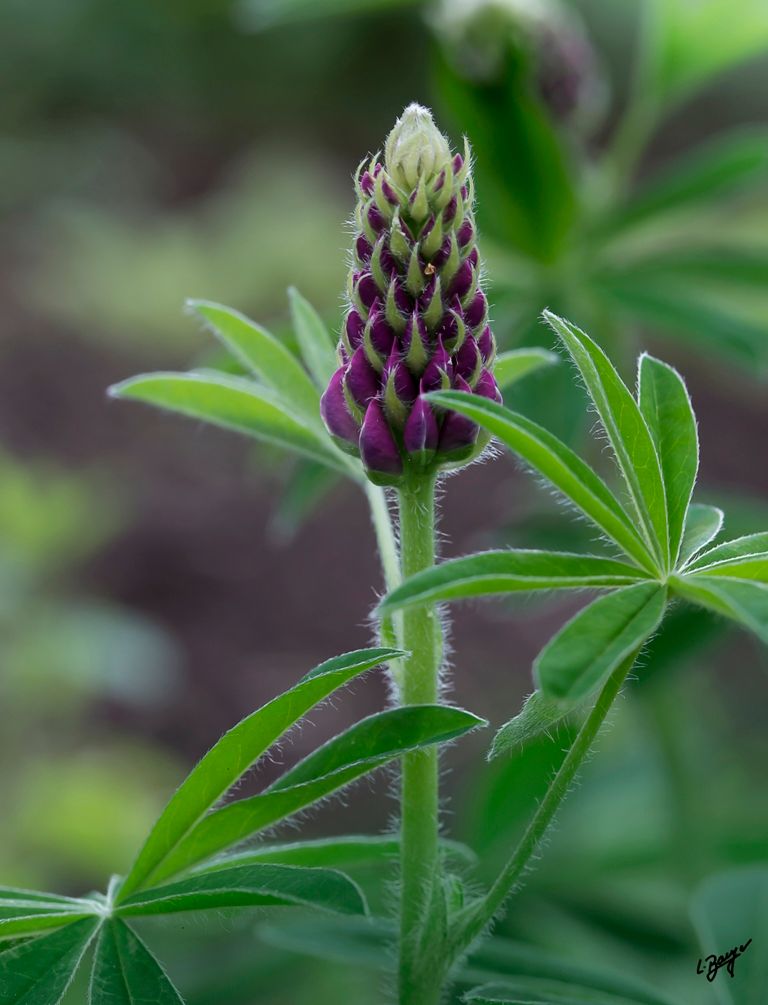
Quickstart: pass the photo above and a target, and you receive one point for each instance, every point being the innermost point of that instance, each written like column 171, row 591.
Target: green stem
column 420, row 980
column 391, row 628
column 475, row 918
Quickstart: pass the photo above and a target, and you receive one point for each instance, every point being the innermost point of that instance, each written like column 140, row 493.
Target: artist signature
column 710, row 965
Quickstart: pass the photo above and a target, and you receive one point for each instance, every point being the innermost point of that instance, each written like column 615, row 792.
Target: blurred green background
column 159, row 580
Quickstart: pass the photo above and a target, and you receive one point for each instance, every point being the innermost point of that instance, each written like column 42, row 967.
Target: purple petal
column 485, row 343
column 458, row 434
column 450, row 210
column 464, row 233
column 458, row 163
column 361, row 379
column 421, row 433
column 476, row 310
column 336, row 415
column 354, row 328
column 403, row 300
column 487, row 387
column 376, row 218
column 367, row 289
column 462, row 281
column 468, row 359
column 366, row 183
column 363, row 248
column 377, row 444
column 382, row 336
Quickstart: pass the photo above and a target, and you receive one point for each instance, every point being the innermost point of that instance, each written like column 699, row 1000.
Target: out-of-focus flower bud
column 417, row 319
column 482, row 35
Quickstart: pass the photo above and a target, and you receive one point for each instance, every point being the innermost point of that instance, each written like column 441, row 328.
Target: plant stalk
column 419, row 979
column 471, row 923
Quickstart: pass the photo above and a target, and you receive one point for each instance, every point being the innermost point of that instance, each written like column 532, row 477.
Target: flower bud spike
column 378, row 449
column 421, row 433
column 380, row 275
column 418, row 204
column 394, row 316
column 469, row 295
column 433, row 311
column 415, row 280
column 337, row 416
column 433, row 240
column 399, row 243
column 415, row 343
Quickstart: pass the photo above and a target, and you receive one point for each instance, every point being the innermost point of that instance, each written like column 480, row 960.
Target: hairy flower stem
column 475, row 918
column 419, row 980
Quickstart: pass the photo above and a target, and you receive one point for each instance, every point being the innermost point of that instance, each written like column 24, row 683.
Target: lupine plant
column 411, row 393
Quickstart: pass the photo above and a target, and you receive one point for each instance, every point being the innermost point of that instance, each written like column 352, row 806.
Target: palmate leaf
column 499, row 572
column 743, row 601
column 727, row 910
column 21, row 920
column 723, row 166
column 740, row 547
column 314, row 340
column 335, row 853
column 236, row 404
column 367, row 745
column 264, row 355
column 535, row 991
column 702, row 525
column 666, row 408
column 539, row 714
column 509, row 367
column 39, row 971
column 126, row 973
column 236, row 751
column 503, row 572
column 627, row 432
column 598, row 639
column 556, row 462
column 364, row 943
column 751, row 567
column 260, row 884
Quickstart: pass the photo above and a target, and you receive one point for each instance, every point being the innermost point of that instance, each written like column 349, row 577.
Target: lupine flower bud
column 417, row 318
column 481, row 34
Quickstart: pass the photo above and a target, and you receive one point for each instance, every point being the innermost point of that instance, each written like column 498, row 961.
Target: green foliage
column 125, row 972
column 655, row 443
column 727, row 911
column 38, row 972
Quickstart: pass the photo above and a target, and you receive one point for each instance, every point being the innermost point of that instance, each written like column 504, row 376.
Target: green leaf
column 511, row 571
column 556, row 462
column 740, row 547
column 364, row 943
column 236, row 751
column 753, row 567
column 699, row 321
column 362, row 748
column 236, row 404
column 251, row 886
column 597, row 639
column 39, row 971
column 314, row 340
column 744, row 602
column 264, row 355
column 126, row 973
column 539, row 714
column 627, row 432
column 15, row 894
column 702, row 525
column 696, row 41
column 666, row 408
column 26, row 918
column 334, row 853
column 535, row 991
column 728, row 910
column 724, row 166
column 509, row 367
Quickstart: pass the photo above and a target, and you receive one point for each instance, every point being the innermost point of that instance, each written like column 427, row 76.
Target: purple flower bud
column 378, row 449
column 421, row 433
column 354, row 326
column 361, row 379
column 487, row 387
column 336, row 415
column 417, row 318
column 475, row 313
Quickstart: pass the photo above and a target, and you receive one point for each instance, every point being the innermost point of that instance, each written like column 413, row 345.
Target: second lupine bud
column 417, row 319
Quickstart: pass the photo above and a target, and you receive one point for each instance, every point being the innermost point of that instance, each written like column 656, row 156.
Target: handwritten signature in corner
column 711, row 965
